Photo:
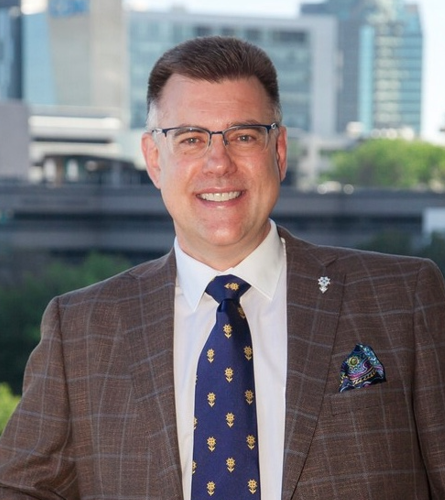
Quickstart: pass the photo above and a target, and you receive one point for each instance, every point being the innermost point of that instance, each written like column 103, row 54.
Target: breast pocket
column 367, row 398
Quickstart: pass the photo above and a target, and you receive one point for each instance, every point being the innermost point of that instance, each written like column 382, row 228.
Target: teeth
column 220, row 196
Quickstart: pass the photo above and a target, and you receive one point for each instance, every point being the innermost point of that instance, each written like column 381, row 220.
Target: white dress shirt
column 265, row 307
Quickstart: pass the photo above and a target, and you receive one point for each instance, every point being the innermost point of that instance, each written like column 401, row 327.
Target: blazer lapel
column 149, row 317
column 312, row 318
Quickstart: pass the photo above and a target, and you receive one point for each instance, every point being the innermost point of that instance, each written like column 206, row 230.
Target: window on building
column 202, row 31
column 253, row 35
column 228, row 32
column 289, row 36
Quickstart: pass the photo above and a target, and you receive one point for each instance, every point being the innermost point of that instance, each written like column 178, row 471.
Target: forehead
column 187, row 101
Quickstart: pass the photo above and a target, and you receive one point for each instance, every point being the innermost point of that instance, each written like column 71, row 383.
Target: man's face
column 220, row 203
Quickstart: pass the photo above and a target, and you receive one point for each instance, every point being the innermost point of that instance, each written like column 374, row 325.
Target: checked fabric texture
column 225, row 452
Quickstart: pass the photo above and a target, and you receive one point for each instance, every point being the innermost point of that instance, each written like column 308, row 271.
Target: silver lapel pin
column 323, row 283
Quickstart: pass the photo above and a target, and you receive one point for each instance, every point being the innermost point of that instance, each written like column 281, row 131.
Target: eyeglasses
column 194, row 142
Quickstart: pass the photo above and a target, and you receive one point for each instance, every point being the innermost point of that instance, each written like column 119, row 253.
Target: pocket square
column 360, row 369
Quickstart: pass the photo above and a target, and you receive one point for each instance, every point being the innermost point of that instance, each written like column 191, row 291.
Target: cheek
column 175, row 180
column 274, row 172
column 168, row 176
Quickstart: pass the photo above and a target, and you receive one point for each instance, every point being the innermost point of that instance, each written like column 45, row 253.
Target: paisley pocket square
column 360, row 369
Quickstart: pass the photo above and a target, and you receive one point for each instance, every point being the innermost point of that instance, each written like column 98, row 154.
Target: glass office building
column 339, row 63
column 380, row 44
column 303, row 51
column 10, row 50
column 75, row 55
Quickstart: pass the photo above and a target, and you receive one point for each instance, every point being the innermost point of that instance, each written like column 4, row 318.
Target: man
column 348, row 346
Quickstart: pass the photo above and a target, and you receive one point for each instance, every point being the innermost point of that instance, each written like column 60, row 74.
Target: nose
column 217, row 159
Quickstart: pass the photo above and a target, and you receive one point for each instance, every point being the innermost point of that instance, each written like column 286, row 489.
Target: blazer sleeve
column 429, row 383
column 35, row 448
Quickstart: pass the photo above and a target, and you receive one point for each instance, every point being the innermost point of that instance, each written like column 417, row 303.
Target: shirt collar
column 262, row 269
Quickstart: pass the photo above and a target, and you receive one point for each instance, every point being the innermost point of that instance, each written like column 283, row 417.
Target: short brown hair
column 215, row 58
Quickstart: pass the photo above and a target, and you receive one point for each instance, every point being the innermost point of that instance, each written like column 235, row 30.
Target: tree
column 435, row 250
column 391, row 241
column 392, row 163
column 8, row 403
column 22, row 306
column 399, row 243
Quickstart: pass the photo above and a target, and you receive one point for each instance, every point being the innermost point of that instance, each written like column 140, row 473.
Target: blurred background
column 361, row 84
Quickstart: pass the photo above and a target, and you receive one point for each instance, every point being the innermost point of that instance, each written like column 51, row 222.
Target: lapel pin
column 323, row 283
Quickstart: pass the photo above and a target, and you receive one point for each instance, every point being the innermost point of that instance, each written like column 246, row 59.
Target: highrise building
column 340, row 63
column 380, row 45
column 75, row 55
column 343, row 65
column 14, row 137
column 10, row 50
column 303, row 50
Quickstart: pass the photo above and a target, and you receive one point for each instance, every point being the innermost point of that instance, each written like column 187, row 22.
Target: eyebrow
column 232, row 124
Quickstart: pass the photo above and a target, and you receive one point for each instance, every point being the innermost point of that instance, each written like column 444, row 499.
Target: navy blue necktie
column 225, row 451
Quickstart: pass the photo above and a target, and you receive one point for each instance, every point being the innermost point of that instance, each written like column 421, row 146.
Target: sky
column 433, row 21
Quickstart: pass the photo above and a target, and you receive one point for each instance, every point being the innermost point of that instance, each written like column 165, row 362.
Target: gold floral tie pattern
column 225, row 451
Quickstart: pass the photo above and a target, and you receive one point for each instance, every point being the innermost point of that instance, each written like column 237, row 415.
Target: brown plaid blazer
column 97, row 418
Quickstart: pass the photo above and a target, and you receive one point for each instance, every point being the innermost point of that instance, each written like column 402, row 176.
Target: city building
column 303, row 50
column 11, row 80
column 14, row 141
column 78, row 144
column 380, row 45
column 347, row 69
column 14, row 135
column 76, row 84
column 77, row 58
column 75, row 54
column 342, row 64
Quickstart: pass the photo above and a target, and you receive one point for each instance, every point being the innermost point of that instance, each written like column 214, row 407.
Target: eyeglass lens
column 194, row 142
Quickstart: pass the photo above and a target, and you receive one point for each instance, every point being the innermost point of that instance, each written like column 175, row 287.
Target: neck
column 221, row 256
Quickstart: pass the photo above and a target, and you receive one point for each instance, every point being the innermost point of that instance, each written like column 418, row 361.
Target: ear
column 281, row 151
column 150, row 151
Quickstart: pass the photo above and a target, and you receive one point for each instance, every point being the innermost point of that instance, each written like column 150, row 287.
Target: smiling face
column 220, row 204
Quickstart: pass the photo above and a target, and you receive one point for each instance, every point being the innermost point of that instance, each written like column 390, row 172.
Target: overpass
column 132, row 221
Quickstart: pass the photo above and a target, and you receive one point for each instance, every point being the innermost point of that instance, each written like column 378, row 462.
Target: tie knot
column 227, row 287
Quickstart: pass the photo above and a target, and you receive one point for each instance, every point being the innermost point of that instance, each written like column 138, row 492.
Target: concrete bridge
column 132, row 221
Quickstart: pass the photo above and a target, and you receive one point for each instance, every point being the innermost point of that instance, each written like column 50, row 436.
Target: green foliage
column 390, row 163
column 394, row 242
column 435, row 250
column 8, row 403
column 399, row 243
column 22, row 306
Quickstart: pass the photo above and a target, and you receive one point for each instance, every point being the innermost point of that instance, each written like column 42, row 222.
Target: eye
column 189, row 137
column 245, row 135
column 190, row 140
column 245, row 138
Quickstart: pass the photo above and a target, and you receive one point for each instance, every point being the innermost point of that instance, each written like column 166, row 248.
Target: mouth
column 220, row 197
